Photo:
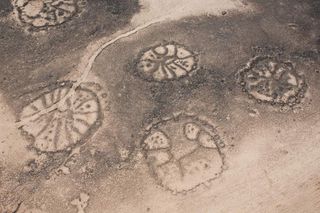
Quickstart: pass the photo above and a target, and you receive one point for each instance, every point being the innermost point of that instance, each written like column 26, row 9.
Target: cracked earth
column 159, row 106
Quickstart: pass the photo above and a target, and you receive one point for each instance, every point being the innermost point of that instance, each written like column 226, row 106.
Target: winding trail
column 86, row 63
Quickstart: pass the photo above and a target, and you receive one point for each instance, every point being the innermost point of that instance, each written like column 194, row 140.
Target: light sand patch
column 81, row 203
column 13, row 151
column 175, row 10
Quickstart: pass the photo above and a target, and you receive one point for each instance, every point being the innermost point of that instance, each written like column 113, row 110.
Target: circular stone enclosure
column 183, row 152
column 167, row 61
column 41, row 14
column 75, row 117
column 274, row 81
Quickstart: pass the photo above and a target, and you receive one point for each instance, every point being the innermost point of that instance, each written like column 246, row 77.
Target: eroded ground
column 171, row 106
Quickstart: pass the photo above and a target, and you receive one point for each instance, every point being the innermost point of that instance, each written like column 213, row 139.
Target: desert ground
column 161, row 106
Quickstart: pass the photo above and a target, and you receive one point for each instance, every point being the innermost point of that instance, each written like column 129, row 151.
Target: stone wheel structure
column 169, row 61
column 184, row 152
column 273, row 81
column 41, row 14
column 70, row 123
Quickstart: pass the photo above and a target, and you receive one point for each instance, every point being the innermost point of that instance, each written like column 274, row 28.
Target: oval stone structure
column 71, row 122
column 169, row 61
column 184, row 152
column 41, row 14
column 273, row 81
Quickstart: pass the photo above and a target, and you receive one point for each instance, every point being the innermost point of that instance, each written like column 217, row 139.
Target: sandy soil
column 189, row 106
